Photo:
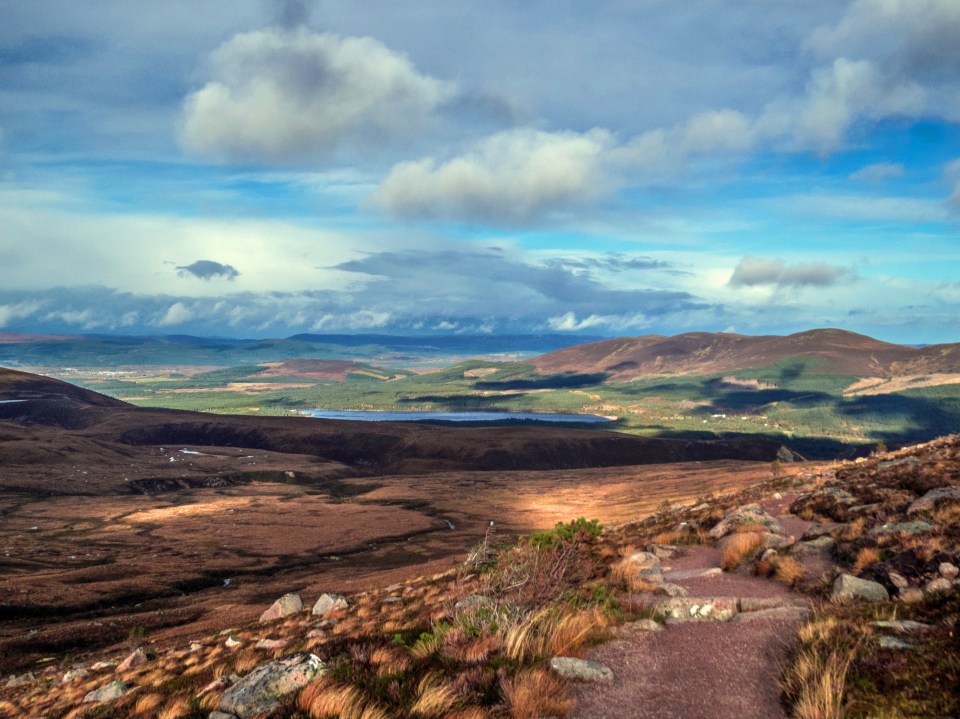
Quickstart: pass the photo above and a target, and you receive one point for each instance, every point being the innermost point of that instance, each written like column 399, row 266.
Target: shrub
column 738, row 547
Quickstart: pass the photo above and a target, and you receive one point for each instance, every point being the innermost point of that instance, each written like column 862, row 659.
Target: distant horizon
column 609, row 168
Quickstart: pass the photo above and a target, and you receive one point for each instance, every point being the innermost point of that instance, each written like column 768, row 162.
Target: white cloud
column 177, row 314
column 758, row 271
column 21, row 310
column 511, row 177
column 861, row 207
column 878, row 172
column 293, row 95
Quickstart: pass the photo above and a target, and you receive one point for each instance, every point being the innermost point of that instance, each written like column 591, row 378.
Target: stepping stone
column 759, row 604
column 774, row 614
column 697, row 609
column 581, row 669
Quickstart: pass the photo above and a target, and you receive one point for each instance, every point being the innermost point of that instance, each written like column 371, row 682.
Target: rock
column 654, row 575
column 681, row 574
column 328, row 603
column 21, row 679
column 814, row 546
column 782, row 614
column 910, row 595
column 670, row 590
column 107, row 693
column 102, row 665
column 931, row 499
column 136, row 658
column 194, row 647
column 261, row 689
column 819, row 530
column 948, row 570
column 898, row 580
column 938, row 586
column 776, row 496
column 768, row 554
column 777, row 541
column 693, row 609
column 642, row 625
column 74, row 674
column 582, row 670
column 900, row 625
column 894, row 643
column 917, row 526
column 847, row 586
column 215, row 685
column 284, row 606
column 233, row 643
column 271, row 643
column 664, row 551
column 747, row 514
column 472, row 602
column 785, row 454
column 221, row 715
column 759, row 604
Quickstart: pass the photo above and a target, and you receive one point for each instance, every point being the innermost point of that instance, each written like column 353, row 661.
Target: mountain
column 703, row 353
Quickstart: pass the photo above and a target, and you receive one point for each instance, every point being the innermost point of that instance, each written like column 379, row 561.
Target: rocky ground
column 827, row 592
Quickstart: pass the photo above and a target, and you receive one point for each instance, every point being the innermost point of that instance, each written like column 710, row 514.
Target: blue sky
column 261, row 168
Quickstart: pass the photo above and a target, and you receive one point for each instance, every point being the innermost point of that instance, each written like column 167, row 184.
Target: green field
column 792, row 399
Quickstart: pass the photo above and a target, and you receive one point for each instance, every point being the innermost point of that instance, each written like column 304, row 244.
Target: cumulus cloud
column 290, row 95
column 878, row 172
column 208, row 270
column 511, row 177
column 758, row 271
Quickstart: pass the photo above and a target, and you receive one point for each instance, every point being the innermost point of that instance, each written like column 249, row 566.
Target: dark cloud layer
column 208, row 270
column 758, row 271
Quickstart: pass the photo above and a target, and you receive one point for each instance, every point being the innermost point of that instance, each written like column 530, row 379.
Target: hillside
column 703, row 353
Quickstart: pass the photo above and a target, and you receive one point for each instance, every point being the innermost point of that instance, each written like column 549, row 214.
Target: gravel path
column 698, row 670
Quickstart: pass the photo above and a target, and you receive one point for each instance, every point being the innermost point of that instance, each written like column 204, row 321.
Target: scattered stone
column 917, row 526
column 581, row 669
column 328, row 603
column 898, row 580
column 137, row 658
column 271, row 643
column 472, row 602
column 910, row 595
column 777, row 496
column 894, row 643
column 948, row 570
column 194, row 647
column 790, row 613
column 284, row 606
column 664, row 551
column 692, row 609
column 20, row 679
column 670, row 590
column 233, row 643
column 221, row 715
column 934, row 497
column 777, row 541
column 74, row 674
column 644, row 560
column 819, row 530
column 847, row 586
column 900, row 625
column 261, row 689
column 215, row 685
column 938, row 586
column 747, row 514
column 102, row 665
column 681, row 574
column 107, row 693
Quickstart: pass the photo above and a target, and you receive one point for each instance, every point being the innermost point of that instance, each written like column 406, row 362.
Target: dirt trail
column 699, row 670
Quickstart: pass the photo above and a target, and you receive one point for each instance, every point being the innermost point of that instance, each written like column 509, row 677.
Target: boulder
column 847, row 586
column 74, row 674
column 747, row 514
column 644, row 560
column 664, row 551
column 284, row 606
column 328, row 603
column 814, row 546
column 948, row 570
column 20, row 679
column 261, row 689
column 136, row 658
column 898, row 580
column 107, row 693
column 931, row 499
column 669, row 589
column 582, row 670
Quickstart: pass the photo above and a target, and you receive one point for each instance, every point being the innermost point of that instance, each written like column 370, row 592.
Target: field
column 811, row 410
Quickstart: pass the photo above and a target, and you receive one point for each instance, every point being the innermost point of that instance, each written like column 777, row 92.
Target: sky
column 260, row 168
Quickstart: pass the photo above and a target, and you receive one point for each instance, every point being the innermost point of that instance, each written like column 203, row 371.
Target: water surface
column 378, row 416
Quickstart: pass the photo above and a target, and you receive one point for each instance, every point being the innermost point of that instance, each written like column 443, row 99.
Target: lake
column 377, row 416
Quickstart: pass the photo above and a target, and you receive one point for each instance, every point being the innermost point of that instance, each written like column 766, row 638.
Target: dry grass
column 816, row 679
column 865, row 557
column 738, row 547
column 552, row 633
column 323, row 700
column 434, row 698
column 534, row 694
column 175, row 708
column 852, row 531
column 787, row 570
column 147, row 704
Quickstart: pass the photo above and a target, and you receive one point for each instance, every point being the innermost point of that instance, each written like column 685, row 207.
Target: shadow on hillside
column 904, row 418
column 556, row 381
column 453, row 402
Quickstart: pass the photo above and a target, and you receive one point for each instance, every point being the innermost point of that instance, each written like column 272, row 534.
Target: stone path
column 702, row 669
